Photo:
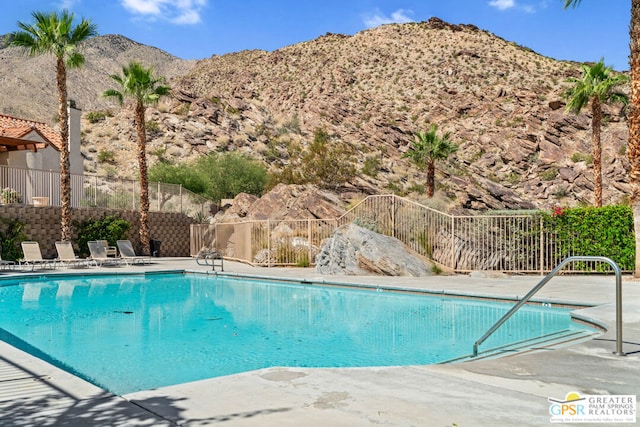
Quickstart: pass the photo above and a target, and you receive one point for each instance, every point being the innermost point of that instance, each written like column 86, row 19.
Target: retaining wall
column 42, row 224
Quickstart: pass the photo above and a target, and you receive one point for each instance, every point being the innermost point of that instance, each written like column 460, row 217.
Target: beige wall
column 43, row 226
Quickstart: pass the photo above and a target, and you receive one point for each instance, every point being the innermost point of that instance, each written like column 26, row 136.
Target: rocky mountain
column 501, row 102
column 28, row 84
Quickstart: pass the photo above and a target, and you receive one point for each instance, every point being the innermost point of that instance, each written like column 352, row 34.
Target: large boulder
column 354, row 250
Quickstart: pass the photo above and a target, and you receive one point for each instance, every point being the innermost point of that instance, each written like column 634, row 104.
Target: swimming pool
column 127, row 333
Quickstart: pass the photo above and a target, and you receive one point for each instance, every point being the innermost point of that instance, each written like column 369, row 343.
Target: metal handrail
column 544, row 281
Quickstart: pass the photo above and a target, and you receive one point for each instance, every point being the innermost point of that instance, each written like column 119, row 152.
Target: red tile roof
column 15, row 128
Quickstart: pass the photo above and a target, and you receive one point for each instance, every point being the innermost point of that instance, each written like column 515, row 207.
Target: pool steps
column 556, row 339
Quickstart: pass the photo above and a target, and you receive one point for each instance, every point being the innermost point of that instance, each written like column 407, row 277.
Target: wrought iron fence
column 40, row 187
column 519, row 243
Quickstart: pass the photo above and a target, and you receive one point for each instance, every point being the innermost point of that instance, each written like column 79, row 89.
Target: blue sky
column 195, row 29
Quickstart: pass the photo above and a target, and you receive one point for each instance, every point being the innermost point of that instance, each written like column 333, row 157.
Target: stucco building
column 30, row 159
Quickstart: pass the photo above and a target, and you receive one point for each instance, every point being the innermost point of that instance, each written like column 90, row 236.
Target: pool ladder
column 546, row 279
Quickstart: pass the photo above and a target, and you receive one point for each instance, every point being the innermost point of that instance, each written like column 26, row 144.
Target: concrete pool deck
column 509, row 391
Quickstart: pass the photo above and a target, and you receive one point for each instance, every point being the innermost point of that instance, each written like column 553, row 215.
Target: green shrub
column 372, row 166
column 229, row 174
column 549, row 174
column 97, row 116
column 10, row 238
column 110, row 228
column 9, row 195
column 417, row 188
column 606, row 231
column 106, row 156
column 291, row 126
column 326, row 163
column 182, row 109
column 579, row 157
column 152, row 127
column 184, row 174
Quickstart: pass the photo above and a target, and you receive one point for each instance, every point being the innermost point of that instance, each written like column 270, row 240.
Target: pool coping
column 487, row 392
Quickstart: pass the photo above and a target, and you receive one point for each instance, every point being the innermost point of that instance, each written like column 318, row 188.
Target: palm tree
column 54, row 34
column 633, row 142
column 428, row 148
column 140, row 84
column 596, row 86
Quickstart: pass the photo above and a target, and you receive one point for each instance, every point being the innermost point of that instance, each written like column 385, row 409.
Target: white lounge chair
column 99, row 254
column 66, row 255
column 129, row 255
column 32, row 256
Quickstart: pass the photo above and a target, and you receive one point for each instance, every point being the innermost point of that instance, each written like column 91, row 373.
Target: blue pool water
column 130, row 333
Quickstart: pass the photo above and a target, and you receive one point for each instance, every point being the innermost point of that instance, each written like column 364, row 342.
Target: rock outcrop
column 354, row 250
column 283, row 202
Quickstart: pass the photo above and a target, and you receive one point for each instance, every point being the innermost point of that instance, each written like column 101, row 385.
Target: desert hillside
column 502, row 103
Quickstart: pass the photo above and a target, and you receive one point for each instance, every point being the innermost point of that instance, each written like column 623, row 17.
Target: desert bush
column 152, row 127
column 191, row 178
column 106, row 156
column 372, row 166
column 97, row 116
column 579, row 157
column 229, row 174
column 326, row 163
column 549, row 174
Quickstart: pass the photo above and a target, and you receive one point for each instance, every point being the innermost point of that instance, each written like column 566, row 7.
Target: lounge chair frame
column 99, row 254
column 112, row 251
column 33, row 256
column 67, row 256
column 128, row 254
column 212, row 258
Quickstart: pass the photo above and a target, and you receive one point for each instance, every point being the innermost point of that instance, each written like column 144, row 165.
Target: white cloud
column 511, row 4
column 502, row 4
column 175, row 11
column 67, row 4
column 400, row 16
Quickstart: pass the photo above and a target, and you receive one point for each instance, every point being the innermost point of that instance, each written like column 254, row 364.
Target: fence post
column 541, row 245
column 268, row 243
column 180, row 198
column 453, row 242
column 393, row 215
column 51, row 189
column 310, row 240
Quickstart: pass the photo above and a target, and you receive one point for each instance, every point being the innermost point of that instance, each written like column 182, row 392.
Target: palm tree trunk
column 596, row 122
column 431, row 178
column 65, row 174
column 144, row 181
column 633, row 146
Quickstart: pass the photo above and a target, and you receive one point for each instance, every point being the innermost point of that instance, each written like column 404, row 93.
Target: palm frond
column 571, row 3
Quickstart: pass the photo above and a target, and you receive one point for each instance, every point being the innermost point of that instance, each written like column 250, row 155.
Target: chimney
column 75, row 156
